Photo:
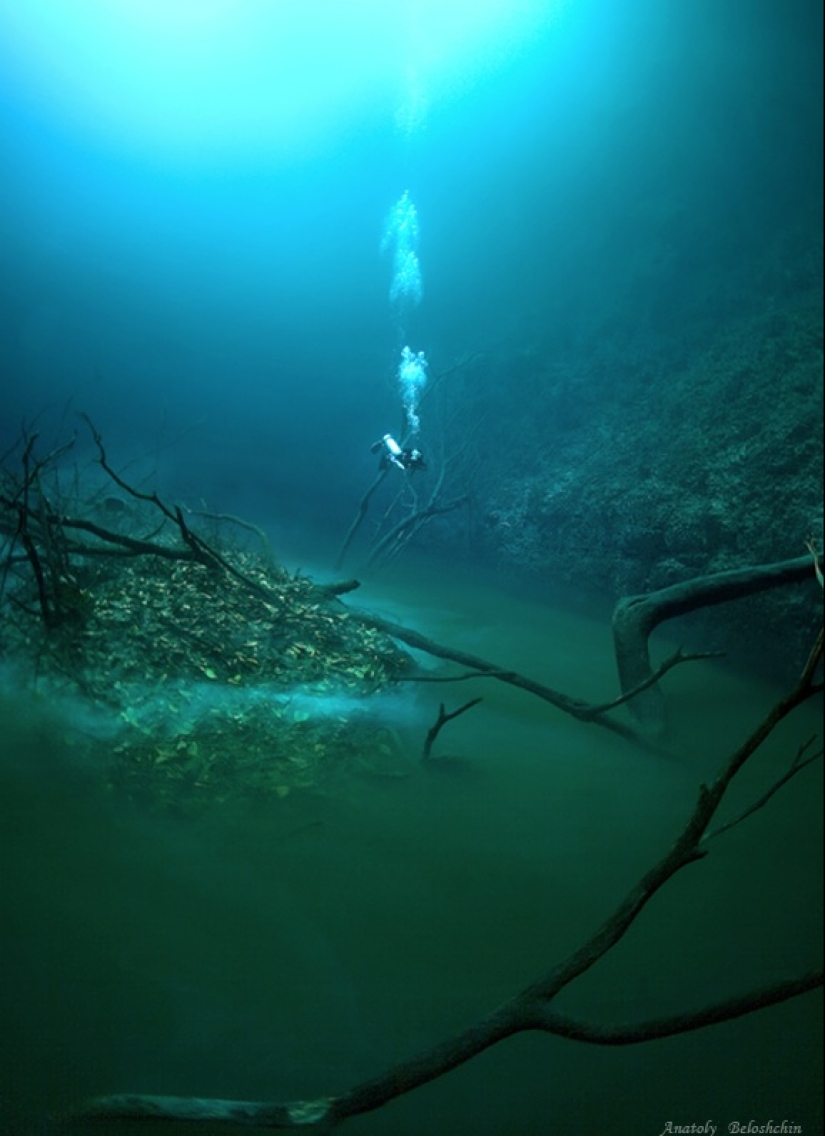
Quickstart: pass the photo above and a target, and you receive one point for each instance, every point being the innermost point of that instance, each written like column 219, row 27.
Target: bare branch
column 656, row 1028
column 241, row 523
column 678, row 656
column 363, row 505
column 583, row 711
column 441, row 721
column 796, row 766
column 138, row 494
column 463, row 677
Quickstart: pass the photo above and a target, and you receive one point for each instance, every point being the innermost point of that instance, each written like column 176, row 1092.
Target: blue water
column 227, row 318
column 191, row 234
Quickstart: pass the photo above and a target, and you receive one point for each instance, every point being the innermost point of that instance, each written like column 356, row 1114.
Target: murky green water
column 288, row 950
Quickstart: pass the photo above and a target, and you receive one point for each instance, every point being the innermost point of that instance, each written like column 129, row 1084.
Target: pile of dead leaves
column 200, row 667
column 153, row 621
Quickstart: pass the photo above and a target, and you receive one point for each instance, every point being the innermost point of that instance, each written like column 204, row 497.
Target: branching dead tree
column 360, row 515
column 532, row 1009
column 46, row 533
column 28, row 519
column 408, row 511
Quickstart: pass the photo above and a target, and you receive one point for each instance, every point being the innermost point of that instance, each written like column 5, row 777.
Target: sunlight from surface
column 234, row 75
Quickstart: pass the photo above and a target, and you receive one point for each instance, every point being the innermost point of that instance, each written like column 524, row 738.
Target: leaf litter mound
column 218, row 687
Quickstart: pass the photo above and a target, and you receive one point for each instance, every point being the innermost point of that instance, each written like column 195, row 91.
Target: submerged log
column 635, row 617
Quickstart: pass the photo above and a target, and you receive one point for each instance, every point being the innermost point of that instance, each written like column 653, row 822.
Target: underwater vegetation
column 221, row 674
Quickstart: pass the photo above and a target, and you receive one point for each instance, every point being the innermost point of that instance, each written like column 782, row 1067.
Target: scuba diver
column 408, row 459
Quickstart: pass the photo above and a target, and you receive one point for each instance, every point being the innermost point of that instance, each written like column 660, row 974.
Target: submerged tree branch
column 443, row 718
column 656, row 1028
column 635, row 617
column 531, row 1009
column 583, row 711
column 678, row 656
column 799, row 763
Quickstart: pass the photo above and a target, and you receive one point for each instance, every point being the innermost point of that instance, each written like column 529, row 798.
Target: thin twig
column 678, row 656
column 796, row 766
column 441, row 721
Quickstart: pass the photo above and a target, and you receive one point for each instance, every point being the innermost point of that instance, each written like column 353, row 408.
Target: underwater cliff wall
column 627, row 460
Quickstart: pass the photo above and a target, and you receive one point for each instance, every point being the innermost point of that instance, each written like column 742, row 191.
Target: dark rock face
column 625, row 472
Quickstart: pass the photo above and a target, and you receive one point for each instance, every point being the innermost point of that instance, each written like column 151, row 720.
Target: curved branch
column 325, row 1113
column 678, row 656
column 656, row 1028
column 635, row 617
column 132, row 544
